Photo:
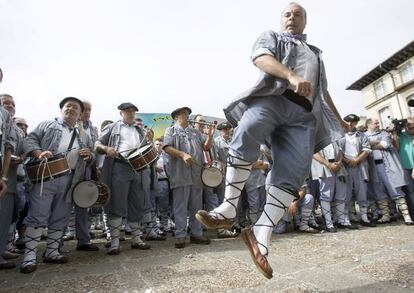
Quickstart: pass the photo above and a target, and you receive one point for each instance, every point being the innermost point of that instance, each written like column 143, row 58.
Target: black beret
column 127, row 105
column 351, row 118
column 178, row 110
column 63, row 102
column 224, row 125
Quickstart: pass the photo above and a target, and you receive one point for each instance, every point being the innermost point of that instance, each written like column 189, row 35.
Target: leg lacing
column 136, row 232
column 53, row 242
column 268, row 221
column 30, row 250
column 279, row 205
column 403, row 208
column 238, row 171
column 114, row 227
column 327, row 213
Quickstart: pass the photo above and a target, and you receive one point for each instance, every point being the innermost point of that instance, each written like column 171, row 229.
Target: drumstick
column 197, row 164
column 152, row 126
column 139, row 146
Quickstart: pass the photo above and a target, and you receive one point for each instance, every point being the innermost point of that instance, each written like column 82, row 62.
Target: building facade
column 388, row 87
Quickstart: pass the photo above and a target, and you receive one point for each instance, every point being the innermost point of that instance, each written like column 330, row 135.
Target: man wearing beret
column 210, row 197
column 356, row 149
column 79, row 220
column 130, row 189
column 184, row 146
column 51, row 200
column 391, row 175
column 222, row 142
column 291, row 108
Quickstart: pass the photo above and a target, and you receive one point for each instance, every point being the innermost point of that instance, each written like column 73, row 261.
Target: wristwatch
column 5, row 179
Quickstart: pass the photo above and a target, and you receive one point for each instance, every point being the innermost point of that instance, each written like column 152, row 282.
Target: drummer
column 50, row 202
column 82, row 214
column 130, row 189
column 210, row 197
column 184, row 146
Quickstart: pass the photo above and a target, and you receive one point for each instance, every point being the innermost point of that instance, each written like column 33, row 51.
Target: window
column 407, row 72
column 379, row 88
column 385, row 116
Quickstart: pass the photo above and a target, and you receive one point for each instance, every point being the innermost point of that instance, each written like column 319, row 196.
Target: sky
column 164, row 54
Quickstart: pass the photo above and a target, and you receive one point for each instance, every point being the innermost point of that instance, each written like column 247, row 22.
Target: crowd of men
column 148, row 187
column 363, row 167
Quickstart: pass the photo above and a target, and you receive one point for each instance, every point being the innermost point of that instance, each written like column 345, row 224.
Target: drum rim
column 215, row 171
column 39, row 162
column 50, row 177
column 148, row 146
column 87, row 182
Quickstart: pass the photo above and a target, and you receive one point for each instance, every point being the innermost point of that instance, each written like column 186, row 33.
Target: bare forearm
column 272, row 66
column 101, row 149
column 6, row 162
column 320, row 159
column 362, row 156
column 173, row 152
column 208, row 143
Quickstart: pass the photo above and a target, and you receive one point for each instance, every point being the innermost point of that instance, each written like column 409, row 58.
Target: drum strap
column 207, row 157
column 72, row 140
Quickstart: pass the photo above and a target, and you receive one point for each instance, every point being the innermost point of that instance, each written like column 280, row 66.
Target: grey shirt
column 362, row 144
column 47, row 136
column 390, row 157
column 111, row 136
column 18, row 137
column 222, row 147
column 284, row 49
column 7, row 138
column 318, row 170
column 190, row 141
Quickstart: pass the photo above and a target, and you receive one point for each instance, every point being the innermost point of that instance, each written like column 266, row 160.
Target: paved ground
column 367, row 260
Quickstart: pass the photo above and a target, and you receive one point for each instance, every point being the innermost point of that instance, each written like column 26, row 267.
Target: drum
column 46, row 169
column 88, row 194
column 212, row 175
column 142, row 157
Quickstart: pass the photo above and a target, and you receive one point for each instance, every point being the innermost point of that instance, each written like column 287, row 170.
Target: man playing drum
column 82, row 214
column 130, row 189
column 291, row 107
column 51, row 200
column 210, row 198
column 184, row 146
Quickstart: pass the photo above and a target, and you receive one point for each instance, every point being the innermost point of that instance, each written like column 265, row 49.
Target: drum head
column 138, row 152
column 85, row 194
column 211, row 177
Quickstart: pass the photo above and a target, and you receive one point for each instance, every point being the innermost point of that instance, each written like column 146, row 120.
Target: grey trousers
column 356, row 182
column 187, row 200
column 50, row 208
column 130, row 193
column 332, row 188
column 210, row 198
column 291, row 130
column 376, row 191
column 6, row 214
column 82, row 225
column 394, row 192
